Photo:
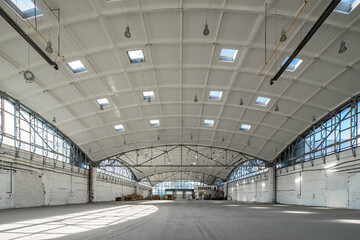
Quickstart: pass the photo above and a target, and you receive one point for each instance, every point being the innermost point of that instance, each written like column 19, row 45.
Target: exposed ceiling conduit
column 27, row 38
column 308, row 36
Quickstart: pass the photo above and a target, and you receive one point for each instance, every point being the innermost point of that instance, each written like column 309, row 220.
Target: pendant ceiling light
column 48, row 47
column 283, row 36
column 343, row 47
column 206, row 30
column 127, row 33
column 276, row 108
column 195, row 99
column 241, row 102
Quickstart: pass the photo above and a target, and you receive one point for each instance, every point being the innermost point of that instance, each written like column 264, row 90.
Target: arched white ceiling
column 180, row 63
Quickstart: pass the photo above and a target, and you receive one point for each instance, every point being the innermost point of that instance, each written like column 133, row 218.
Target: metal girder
column 335, row 132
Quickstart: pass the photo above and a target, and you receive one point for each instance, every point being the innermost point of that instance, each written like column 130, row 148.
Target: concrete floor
column 164, row 220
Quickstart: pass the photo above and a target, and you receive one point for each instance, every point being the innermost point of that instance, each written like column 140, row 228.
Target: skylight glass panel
column 24, row 8
column 346, row 6
column 119, row 128
column 215, row 95
column 245, row 127
column 76, row 66
column 208, row 123
column 136, row 56
column 103, row 102
column 154, row 123
column 262, row 101
column 294, row 64
column 148, row 95
column 228, row 55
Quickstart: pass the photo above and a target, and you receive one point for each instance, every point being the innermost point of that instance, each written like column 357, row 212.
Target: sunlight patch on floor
column 64, row 225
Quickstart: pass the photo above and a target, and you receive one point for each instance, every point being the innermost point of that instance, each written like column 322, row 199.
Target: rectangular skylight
column 346, row 6
column 103, row 102
column 245, row 127
column 136, row 56
column 228, row 55
column 208, row 123
column 154, row 123
column 215, row 95
column 24, row 8
column 148, row 95
column 262, row 101
column 76, row 66
column 293, row 65
column 119, row 128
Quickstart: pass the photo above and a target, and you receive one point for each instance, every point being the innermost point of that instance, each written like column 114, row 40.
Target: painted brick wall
column 254, row 189
column 334, row 183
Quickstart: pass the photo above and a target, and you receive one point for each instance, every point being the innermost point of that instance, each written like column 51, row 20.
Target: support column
column 272, row 184
column 92, row 184
column 137, row 189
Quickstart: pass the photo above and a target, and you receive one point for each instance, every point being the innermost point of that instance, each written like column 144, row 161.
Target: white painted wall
column 335, row 183
column 34, row 184
column 108, row 190
column 33, row 189
column 255, row 189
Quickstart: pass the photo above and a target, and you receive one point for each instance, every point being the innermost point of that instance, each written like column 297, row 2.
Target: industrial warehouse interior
column 180, row 119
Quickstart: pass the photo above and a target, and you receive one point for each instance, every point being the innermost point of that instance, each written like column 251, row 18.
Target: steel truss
column 336, row 132
column 181, row 158
column 35, row 135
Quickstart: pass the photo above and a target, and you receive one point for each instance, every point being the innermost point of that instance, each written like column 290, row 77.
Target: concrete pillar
column 137, row 188
column 93, row 184
column 272, row 183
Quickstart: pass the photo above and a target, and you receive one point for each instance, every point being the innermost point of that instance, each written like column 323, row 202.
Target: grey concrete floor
column 165, row 220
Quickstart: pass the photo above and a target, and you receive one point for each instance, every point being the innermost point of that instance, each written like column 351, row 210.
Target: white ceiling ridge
column 119, row 61
column 240, row 63
column 173, row 128
column 279, row 97
column 208, row 71
column 73, row 134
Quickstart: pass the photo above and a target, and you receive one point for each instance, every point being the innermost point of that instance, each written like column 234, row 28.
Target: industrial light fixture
column 241, row 102
column 54, row 119
column 48, row 47
column 191, row 137
column 149, row 99
column 314, row 118
column 223, row 139
column 343, row 47
column 195, row 99
column 28, row 76
column 158, row 138
column 276, row 108
column 124, row 141
column 101, row 107
column 248, row 142
column 206, row 30
column 127, row 33
column 283, row 36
